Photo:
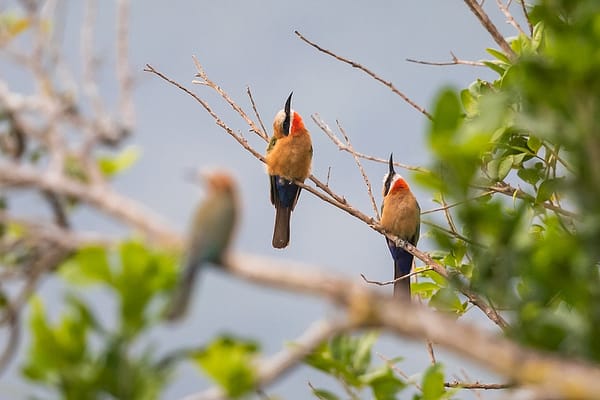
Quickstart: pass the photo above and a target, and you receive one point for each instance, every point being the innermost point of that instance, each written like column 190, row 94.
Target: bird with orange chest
column 210, row 233
column 400, row 216
column 288, row 159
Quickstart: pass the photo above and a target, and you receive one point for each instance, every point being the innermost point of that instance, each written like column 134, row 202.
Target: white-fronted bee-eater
column 209, row 236
column 288, row 159
column 400, row 216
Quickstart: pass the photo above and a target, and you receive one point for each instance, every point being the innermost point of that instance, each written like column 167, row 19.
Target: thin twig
column 262, row 133
column 368, row 72
column 510, row 191
column 455, row 61
column 509, row 18
column 452, row 232
column 124, row 77
column 202, row 74
column 449, row 206
column 407, row 276
column 331, row 135
column 326, row 194
column 526, row 15
column 209, row 110
column 477, row 9
column 361, row 169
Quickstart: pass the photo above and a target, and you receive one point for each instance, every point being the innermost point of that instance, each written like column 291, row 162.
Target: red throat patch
column 399, row 185
column 297, row 124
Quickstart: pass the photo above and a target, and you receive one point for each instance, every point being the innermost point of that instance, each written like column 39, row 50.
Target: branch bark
column 569, row 379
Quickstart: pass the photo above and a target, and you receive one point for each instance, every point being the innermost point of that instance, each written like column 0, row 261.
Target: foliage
column 83, row 359
column 535, row 128
column 348, row 359
column 228, row 361
column 518, row 159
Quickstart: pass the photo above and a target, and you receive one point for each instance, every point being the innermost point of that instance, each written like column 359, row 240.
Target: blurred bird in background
column 288, row 159
column 209, row 236
column 400, row 216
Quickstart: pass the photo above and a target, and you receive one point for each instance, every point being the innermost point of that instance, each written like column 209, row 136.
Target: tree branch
column 373, row 75
column 273, row 368
column 327, row 195
column 102, row 197
column 490, row 27
column 368, row 309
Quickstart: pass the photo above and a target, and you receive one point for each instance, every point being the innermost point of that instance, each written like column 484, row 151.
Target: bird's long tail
column 281, row 233
column 402, row 265
column 181, row 297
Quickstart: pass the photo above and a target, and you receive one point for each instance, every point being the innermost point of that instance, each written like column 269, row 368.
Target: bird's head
column 392, row 181
column 218, row 181
column 287, row 121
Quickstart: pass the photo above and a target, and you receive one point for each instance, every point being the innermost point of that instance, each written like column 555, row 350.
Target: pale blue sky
column 252, row 44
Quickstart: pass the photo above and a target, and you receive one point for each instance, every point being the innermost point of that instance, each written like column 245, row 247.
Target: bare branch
column 202, row 74
column 455, row 61
column 273, row 368
column 526, row 14
column 509, row 18
column 126, row 107
column 366, row 308
column 368, row 72
column 101, row 196
column 262, row 133
column 241, row 140
column 407, row 276
column 343, row 147
column 506, row 189
column 449, row 206
column 477, row 9
column 361, row 169
column 478, row 385
column 326, row 194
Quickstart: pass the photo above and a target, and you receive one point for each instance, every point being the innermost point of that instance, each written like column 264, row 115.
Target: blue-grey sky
column 252, row 44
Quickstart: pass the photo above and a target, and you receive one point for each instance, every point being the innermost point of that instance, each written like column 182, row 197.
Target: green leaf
column 323, row 394
column 499, row 55
column 547, row 189
column 469, row 101
column 433, row 382
column 88, row 266
column 361, row 357
column 499, row 168
column 530, row 175
column 534, row 143
column 447, row 115
column 446, row 299
column 111, row 166
column 228, row 361
column 496, row 66
column 537, row 38
column 383, row 382
column 424, row 289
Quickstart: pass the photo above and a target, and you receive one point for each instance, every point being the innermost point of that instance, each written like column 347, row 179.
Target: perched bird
column 209, row 236
column 400, row 216
column 288, row 159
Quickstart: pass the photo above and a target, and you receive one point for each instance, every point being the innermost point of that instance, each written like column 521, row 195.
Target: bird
column 400, row 216
column 288, row 159
column 209, row 236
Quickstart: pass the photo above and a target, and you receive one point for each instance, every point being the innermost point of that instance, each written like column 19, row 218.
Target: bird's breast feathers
column 290, row 157
column 400, row 215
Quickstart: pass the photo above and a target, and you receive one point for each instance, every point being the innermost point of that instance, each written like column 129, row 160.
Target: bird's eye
column 387, row 184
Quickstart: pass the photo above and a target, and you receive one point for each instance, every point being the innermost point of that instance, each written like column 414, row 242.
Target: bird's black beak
column 288, row 116
column 392, row 172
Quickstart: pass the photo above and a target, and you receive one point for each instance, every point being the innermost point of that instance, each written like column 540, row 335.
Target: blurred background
column 252, row 44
